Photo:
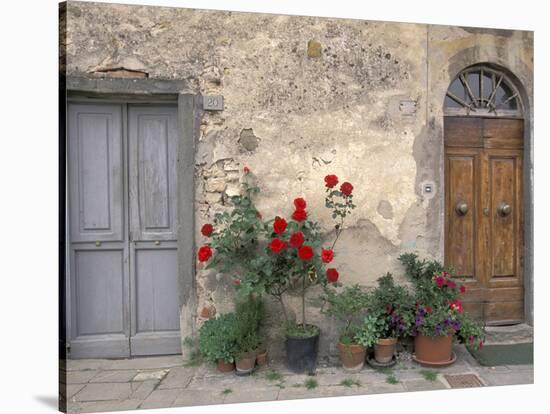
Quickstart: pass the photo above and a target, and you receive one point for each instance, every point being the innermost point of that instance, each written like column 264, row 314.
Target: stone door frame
column 112, row 90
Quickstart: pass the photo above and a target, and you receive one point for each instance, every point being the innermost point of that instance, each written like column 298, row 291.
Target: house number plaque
column 212, row 103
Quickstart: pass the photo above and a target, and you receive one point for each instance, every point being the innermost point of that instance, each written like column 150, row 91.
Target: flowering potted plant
column 439, row 313
column 348, row 305
column 277, row 255
column 389, row 305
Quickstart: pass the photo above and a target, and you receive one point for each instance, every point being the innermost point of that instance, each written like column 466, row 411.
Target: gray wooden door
column 122, row 221
column 153, row 227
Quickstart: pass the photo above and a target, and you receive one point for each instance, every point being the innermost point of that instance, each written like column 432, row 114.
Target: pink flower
column 462, row 289
column 440, row 280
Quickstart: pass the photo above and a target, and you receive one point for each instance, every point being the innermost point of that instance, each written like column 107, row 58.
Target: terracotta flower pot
column 225, row 366
column 384, row 350
column 436, row 350
column 245, row 363
column 352, row 356
column 261, row 357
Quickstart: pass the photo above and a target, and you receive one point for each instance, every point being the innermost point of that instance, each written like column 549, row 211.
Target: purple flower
column 419, row 321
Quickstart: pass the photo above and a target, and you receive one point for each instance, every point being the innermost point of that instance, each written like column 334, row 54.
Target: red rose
column 299, row 215
column 279, row 225
column 440, row 280
column 236, row 282
column 429, row 309
column 300, row 203
column 277, row 245
column 332, row 275
column 327, row 256
column 305, row 253
column 462, row 289
column 297, row 239
column 246, row 170
column 207, row 230
column 346, row 188
column 204, row 253
column 331, row 181
column 480, row 344
column 451, row 284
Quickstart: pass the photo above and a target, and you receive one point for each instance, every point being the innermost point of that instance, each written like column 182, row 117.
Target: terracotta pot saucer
column 372, row 362
column 430, row 364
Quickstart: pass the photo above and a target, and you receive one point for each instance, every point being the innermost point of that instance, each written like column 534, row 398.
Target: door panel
column 492, row 176
column 152, row 184
column 95, row 171
column 503, row 231
column 153, row 156
column 461, row 184
column 98, row 276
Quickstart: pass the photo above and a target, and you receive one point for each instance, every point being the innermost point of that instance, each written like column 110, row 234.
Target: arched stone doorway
column 484, row 194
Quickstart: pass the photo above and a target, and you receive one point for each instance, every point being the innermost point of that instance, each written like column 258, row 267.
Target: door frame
column 189, row 114
column 459, row 62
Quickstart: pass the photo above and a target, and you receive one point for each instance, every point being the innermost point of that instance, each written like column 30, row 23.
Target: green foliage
column 429, row 375
column 273, row 375
column 348, row 306
column 227, row 391
column 392, row 379
column 370, row 331
column 194, row 355
column 248, row 314
column 311, row 383
column 218, row 338
column 235, row 240
column 298, row 330
column 348, row 383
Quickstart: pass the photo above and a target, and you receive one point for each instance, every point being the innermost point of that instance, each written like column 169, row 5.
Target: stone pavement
column 159, row 382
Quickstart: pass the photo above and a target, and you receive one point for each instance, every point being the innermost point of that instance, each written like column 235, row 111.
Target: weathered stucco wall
column 363, row 101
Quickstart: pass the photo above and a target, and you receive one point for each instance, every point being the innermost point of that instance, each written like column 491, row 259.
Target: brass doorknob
column 504, row 209
column 461, row 208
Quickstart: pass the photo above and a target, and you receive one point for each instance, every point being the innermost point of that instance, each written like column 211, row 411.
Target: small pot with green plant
column 218, row 341
column 248, row 313
column 390, row 304
column 348, row 306
column 439, row 315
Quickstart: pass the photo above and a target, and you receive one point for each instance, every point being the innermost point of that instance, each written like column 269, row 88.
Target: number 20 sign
column 212, row 103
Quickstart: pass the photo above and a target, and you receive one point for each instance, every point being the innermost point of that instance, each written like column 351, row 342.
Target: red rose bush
column 278, row 255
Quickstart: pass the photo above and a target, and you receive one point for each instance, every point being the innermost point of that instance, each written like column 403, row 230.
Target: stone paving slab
column 424, row 385
column 141, row 390
column 114, row 376
column 189, row 397
column 81, row 377
column 240, row 395
column 105, row 406
column 104, row 392
column 161, row 398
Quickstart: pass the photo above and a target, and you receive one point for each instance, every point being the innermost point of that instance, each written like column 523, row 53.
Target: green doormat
column 516, row 354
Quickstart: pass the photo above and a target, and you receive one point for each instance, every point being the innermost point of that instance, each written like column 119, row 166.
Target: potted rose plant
column 439, row 313
column 348, row 305
column 277, row 256
column 389, row 308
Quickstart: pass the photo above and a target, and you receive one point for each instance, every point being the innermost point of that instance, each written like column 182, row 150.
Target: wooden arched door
column 484, row 194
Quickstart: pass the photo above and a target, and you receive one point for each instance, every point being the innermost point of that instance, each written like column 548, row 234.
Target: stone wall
column 306, row 97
